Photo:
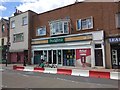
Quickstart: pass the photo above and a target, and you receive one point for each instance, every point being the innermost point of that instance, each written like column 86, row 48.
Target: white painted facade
column 19, row 28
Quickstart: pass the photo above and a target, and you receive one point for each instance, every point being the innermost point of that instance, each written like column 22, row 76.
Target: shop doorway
column 98, row 57
column 37, row 57
column 55, row 56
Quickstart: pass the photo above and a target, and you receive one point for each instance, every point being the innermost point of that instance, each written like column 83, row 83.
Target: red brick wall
column 103, row 14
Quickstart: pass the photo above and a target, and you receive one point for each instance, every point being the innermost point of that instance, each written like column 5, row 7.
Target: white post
column 103, row 51
column 92, row 54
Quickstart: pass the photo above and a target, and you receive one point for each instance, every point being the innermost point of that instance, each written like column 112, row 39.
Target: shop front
column 73, row 50
column 18, row 57
column 115, row 51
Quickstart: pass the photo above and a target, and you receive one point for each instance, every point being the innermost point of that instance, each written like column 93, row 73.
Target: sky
column 8, row 7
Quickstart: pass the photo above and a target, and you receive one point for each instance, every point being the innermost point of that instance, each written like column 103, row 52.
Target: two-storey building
column 76, row 34
column 20, row 39
column 4, row 24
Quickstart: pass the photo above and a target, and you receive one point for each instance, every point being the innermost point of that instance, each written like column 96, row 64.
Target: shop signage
column 56, row 40
column 114, row 40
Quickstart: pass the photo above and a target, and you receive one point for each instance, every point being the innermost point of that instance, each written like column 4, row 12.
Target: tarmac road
column 20, row 79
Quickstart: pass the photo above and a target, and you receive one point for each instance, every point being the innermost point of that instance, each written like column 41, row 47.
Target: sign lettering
column 56, row 40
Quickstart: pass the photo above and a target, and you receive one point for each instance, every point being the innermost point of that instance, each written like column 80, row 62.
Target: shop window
column 86, row 23
column 12, row 24
column 18, row 37
column 24, row 21
column 59, row 27
column 41, row 31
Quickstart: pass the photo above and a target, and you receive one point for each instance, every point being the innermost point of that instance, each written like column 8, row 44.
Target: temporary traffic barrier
column 99, row 74
column 64, row 71
column 84, row 73
column 74, row 72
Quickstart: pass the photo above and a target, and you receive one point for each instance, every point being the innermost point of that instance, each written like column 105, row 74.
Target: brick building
column 4, row 24
column 20, row 38
column 78, row 33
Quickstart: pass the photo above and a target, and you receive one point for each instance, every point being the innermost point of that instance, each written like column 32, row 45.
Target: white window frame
column 63, row 27
column 24, row 20
column 40, row 29
column 13, row 24
column 86, row 20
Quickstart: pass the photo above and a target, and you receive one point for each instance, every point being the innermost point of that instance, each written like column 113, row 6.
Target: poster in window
column 83, row 54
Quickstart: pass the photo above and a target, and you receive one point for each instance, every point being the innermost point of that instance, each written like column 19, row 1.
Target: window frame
column 23, row 21
column 3, row 29
column 117, row 17
column 15, row 40
column 86, row 20
column 13, row 24
column 60, row 32
column 41, row 28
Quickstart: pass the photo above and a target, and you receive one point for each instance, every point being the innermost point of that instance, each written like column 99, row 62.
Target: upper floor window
column 12, row 24
column 41, row 31
column 59, row 27
column 24, row 21
column 18, row 37
column 3, row 28
column 86, row 23
column 118, row 20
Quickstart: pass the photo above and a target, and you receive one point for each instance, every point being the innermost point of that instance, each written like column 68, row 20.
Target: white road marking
column 66, row 80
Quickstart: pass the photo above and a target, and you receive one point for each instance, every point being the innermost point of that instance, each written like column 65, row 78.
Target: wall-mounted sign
column 114, row 40
column 56, row 40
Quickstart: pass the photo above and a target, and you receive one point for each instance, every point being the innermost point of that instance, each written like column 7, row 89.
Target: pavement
column 97, row 72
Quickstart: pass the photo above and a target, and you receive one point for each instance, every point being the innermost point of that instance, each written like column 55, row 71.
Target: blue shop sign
column 114, row 40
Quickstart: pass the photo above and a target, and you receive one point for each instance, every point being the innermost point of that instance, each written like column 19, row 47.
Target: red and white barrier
column 28, row 68
column 50, row 70
column 115, row 75
column 74, row 72
column 84, row 73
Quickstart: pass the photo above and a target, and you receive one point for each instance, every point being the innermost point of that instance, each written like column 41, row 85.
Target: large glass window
column 18, row 37
column 59, row 27
column 41, row 31
column 86, row 23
